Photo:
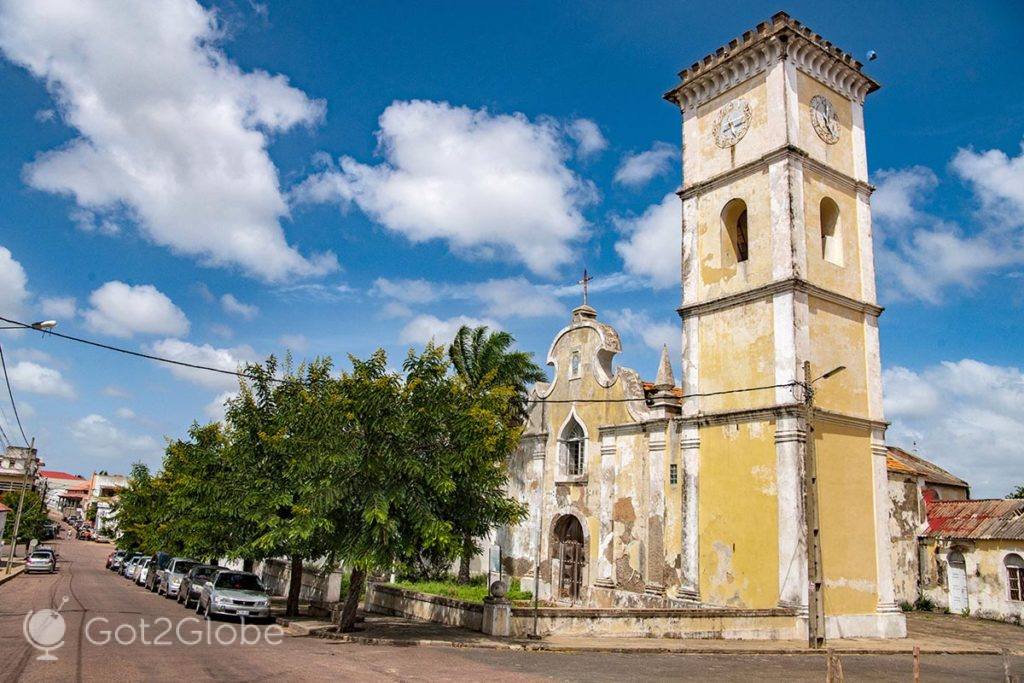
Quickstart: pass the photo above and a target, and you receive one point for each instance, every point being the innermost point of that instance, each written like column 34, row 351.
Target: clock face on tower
column 824, row 119
column 732, row 123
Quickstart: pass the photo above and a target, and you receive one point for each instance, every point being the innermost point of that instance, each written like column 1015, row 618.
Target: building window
column 574, row 450
column 574, row 364
column 735, row 248
column 1015, row 576
column 673, row 474
column 831, row 234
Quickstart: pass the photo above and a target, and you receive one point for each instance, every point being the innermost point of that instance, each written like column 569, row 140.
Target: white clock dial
column 824, row 119
column 732, row 123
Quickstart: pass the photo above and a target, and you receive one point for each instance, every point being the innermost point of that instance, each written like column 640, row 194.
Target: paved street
column 99, row 602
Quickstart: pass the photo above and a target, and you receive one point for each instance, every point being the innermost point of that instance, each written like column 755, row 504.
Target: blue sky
column 223, row 181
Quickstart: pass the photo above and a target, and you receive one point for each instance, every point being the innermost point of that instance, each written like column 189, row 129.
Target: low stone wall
column 400, row 602
column 729, row 624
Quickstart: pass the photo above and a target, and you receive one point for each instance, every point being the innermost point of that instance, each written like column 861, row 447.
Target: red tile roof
column 57, row 474
column 976, row 519
column 4, row 508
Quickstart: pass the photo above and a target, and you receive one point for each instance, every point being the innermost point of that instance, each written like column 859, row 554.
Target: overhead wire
column 10, row 393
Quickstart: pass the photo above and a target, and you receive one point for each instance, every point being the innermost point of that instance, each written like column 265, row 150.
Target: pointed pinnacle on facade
column 665, row 379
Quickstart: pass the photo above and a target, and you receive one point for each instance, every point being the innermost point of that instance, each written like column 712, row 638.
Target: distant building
column 103, row 492
column 3, row 519
column 18, row 465
column 54, row 483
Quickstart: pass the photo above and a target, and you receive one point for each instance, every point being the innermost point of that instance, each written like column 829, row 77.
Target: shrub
column 923, row 604
column 906, row 606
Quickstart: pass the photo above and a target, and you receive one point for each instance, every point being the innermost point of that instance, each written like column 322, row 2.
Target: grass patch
column 474, row 591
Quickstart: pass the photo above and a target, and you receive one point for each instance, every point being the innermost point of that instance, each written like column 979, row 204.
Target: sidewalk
column 933, row 633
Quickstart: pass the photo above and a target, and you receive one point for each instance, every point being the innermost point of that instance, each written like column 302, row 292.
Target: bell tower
column 777, row 271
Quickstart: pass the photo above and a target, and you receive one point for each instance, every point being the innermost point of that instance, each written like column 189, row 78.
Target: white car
column 142, row 571
column 40, row 561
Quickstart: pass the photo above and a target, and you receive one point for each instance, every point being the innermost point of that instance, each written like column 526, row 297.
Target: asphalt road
column 156, row 637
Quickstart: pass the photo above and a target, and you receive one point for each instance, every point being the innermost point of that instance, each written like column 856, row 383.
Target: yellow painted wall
column 738, row 516
column 708, row 159
column 840, row 154
column 719, row 276
column 736, row 351
column 844, row 279
column 846, row 509
column 837, row 338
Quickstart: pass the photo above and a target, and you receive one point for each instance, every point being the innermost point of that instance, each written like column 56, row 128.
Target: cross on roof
column 585, row 282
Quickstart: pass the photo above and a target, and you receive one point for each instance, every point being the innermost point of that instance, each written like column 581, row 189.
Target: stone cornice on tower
column 779, row 37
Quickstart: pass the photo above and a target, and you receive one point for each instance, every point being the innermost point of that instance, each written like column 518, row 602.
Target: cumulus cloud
column 235, row 307
column 215, row 409
column 123, row 310
column 13, row 283
column 171, row 133
column 60, row 307
column 229, row 359
column 922, row 256
column 96, row 437
column 588, row 137
column 490, row 185
column 638, row 168
column 424, row 328
column 653, row 333
column 651, row 243
column 39, row 379
column 966, row 416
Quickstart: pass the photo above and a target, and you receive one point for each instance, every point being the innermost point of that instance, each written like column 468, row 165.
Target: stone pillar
column 654, row 581
column 606, row 541
column 790, row 440
column 883, row 560
column 497, row 618
column 690, row 446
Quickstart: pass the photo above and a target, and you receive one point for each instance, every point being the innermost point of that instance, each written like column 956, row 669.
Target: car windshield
column 238, row 581
column 182, row 566
column 40, row 556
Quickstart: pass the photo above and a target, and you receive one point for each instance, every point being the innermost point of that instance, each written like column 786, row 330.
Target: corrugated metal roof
column 931, row 472
column 977, row 519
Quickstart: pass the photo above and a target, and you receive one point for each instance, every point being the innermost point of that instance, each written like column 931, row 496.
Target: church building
column 733, row 490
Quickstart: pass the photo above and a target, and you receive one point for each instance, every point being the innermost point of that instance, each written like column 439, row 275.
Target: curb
column 546, row 647
column 4, row 578
column 297, row 629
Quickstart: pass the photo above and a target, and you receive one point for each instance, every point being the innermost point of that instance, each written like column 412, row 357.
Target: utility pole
column 21, row 503
column 815, row 595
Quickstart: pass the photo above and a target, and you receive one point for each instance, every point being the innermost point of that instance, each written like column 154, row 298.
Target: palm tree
column 484, row 361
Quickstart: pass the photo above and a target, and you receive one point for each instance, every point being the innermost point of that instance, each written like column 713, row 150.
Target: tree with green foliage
column 33, row 516
column 138, row 509
column 1017, row 492
column 495, row 374
column 90, row 514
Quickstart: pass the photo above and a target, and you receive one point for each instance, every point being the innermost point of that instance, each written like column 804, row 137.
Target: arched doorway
column 568, row 537
column 956, row 582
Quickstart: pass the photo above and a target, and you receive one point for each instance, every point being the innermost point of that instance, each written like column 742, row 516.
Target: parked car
column 119, row 557
column 233, row 593
column 192, row 582
column 113, row 558
column 160, row 562
column 142, row 571
column 45, row 550
column 101, row 538
column 40, row 562
column 131, row 565
column 169, row 579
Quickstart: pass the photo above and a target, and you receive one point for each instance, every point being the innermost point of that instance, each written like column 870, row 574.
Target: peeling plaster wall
column 736, row 352
column 905, row 520
column 844, row 279
column 847, row 514
column 837, row 338
column 987, row 589
column 839, row 155
column 738, row 516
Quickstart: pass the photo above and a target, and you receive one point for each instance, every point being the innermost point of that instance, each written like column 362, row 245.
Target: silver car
column 233, row 593
column 40, row 561
column 142, row 571
column 169, row 579
column 131, row 566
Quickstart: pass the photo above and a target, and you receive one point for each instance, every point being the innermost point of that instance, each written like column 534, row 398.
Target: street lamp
column 42, row 326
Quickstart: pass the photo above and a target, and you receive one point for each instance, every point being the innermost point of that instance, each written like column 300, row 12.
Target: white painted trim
column 689, row 444
column 606, row 542
column 784, row 332
column 887, row 625
column 781, row 220
column 790, row 441
column 882, row 504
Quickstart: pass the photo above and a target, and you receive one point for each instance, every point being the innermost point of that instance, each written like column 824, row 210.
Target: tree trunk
column 348, row 611
column 247, row 564
column 294, row 588
column 465, row 558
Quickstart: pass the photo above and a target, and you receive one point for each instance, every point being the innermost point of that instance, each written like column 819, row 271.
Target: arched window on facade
column 1014, row 576
column 574, row 449
column 735, row 243
column 831, row 231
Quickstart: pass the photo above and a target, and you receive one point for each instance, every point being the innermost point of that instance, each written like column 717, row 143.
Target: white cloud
column 61, row 307
column 235, row 307
column 490, row 185
column 39, row 379
column 123, row 310
column 96, row 437
column 172, row 134
column 125, row 413
column 418, row 291
column 652, row 243
column 636, row 169
column 13, row 282
column 115, row 392
column 588, row 137
column 215, row 409
column 424, row 328
column 922, row 256
column 653, row 333
column 230, row 359
column 499, row 297
column 966, row 416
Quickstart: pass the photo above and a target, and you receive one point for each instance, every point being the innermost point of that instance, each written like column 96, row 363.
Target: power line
column 10, row 393
column 705, row 394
